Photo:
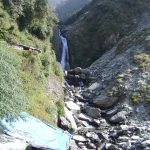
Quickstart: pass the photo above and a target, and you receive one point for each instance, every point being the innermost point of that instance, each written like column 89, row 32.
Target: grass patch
column 12, row 97
column 24, row 75
column 23, row 83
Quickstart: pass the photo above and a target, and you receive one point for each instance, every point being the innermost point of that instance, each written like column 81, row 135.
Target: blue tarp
column 37, row 133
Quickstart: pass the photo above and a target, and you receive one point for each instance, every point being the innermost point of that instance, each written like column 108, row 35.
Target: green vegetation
column 143, row 60
column 136, row 97
column 98, row 27
column 25, row 75
column 12, row 96
column 66, row 9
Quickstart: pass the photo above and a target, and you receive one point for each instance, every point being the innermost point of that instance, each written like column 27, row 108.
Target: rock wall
column 99, row 26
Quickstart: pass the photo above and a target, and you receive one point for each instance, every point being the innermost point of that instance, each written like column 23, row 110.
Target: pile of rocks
column 98, row 121
column 78, row 76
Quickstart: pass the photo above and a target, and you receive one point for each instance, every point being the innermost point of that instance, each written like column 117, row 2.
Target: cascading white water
column 65, row 54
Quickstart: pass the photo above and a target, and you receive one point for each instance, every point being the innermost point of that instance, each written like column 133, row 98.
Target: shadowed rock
column 104, row 101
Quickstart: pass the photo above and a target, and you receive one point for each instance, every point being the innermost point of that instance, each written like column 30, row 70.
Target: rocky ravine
column 113, row 111
column 98, row 121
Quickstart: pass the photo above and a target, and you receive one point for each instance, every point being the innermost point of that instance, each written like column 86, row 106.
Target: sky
column 56, row 2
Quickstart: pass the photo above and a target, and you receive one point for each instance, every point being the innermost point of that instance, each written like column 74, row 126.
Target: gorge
column 102, row 100
column 112, row 112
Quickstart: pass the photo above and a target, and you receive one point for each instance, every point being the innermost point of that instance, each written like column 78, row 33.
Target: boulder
column 92, row 112
column 88, row 95
column 95, row 86
column 70, row 117
column 85, row 117
column 111, row 112
column 110, row 146
column 73, row 145
column 79, row 138
column 119, row 117
column 146, row 143
column 72, row 106
column 64, row 123
column 104, row 101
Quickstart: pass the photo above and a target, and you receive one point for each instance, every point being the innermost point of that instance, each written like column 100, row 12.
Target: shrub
column 12, row 97
column 143, row 60
column 136, row 97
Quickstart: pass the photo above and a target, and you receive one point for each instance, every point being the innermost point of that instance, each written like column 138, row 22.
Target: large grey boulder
column 104, row 101
column 70, row 117
column 79, row 138
column 92, row 112
column 73, row 145
column 72, row 106
column 119, row 117
column 64, row 123
column 84, row 117
column 95, row 86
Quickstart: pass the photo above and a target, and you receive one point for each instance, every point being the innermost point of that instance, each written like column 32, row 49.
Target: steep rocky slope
column 113, row 112
column 123, row 71
column 99, row 26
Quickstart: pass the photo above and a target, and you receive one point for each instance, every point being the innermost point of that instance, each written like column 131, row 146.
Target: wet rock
column 104, row 101
column 119, row 117
column 92, row 112
column 79, row 138
column 72, row 106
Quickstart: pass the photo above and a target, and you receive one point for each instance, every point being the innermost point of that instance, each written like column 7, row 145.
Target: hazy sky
column 55, row 2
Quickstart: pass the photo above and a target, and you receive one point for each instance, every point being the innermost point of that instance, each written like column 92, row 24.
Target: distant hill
column 66, row 8
column 56, row 2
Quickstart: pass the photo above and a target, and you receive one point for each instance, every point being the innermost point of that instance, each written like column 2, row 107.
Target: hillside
column 70, row 7
column 99, row 26
column 111, row 39
column 105, row 105
column 66, row 8
column 28, row 77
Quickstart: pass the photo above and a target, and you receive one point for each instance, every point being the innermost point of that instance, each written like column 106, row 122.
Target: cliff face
column 100, row 25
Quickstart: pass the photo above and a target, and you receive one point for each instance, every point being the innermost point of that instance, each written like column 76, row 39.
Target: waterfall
column 65, row 53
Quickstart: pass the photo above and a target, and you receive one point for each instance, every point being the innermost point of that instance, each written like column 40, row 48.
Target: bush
column 12, row 96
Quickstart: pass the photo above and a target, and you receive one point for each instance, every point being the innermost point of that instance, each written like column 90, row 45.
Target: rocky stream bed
column 99, row 122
